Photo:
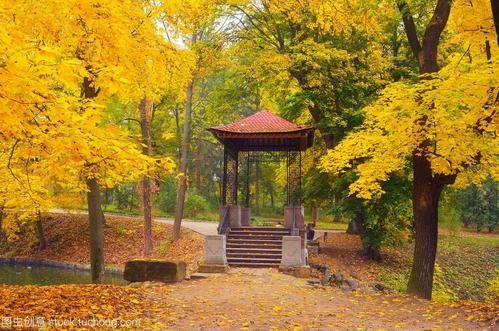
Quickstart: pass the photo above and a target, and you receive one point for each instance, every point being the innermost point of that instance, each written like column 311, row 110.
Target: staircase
column 255, row 247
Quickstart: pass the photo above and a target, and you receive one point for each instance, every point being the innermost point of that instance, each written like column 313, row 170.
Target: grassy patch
column 328, row 225
column 467, row 264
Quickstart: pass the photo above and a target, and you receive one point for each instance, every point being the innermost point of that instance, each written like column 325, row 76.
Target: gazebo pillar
column 294, row 214
column 245, row 211
column 230, row 212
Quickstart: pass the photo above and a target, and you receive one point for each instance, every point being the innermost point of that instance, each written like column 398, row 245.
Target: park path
column 202, row 227
column 264, row 299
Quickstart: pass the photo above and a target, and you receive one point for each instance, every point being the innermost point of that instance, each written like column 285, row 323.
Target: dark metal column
column 235, row 184
column 223, row 198
column 299, row 178
column 288, row 186
column 247, row 195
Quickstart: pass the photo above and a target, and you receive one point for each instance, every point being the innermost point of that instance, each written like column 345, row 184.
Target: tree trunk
column 272, row 202
column 257, row 187
column 198, row 166
column 96, row 224
column 146, row 107
column 355, row 225
column 182, row 180
column 315, row 215
column 316, row 112
column 1, row 223
column 425, row 208
column 426, row 188
column 42, row 242
column 495, row 13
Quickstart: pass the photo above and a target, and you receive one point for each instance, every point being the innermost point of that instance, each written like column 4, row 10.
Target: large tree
column 442, row 127
column 73, row 66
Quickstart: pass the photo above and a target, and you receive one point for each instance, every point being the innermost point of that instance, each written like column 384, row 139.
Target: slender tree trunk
column 182, row 180
column 425, row 208
column 316, row 112
column 272, row 202
column 370, row 251
column 96, row 230
column 1, row 224
column 257, row 187
column 178, row 132
column 42, row 242
column 198, row 166
column 315, row 215
column 146, row 107
column 95, row 214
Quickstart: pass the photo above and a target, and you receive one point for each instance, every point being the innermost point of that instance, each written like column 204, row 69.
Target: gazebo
column 261, row 137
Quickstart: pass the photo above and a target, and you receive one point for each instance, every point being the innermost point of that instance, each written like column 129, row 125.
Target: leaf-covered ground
column 467, row 265
column 257, row 299
column 68, row 241
column 243, row 298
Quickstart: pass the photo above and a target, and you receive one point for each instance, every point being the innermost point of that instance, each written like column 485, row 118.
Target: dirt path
column 202, row 227
column 243, row 299
column 263, row 299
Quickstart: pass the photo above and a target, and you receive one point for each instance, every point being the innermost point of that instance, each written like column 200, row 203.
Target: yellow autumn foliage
column 459, row 104
column 50, row 134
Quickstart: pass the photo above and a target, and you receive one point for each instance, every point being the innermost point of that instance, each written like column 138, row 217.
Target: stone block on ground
column 314, row 281
column 298, row 272
column 199, row 275
column 212, row 268
column 141, row 270
column 354, row 285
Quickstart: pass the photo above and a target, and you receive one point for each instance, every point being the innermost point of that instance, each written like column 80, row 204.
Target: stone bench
column 141, row 270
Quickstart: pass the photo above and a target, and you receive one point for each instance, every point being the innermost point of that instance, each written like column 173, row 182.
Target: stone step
column 254, row 265
column 261, row 228
column 251, row 230
column 256, row 236
column 258, row 233
column 253, row 241
column 231, row 260
column 245, row 245
column 247, row 249
column 255, row 255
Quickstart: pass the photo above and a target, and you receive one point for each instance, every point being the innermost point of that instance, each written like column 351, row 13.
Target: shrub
column 195, row 204
column 479, row 205
column 167, row 196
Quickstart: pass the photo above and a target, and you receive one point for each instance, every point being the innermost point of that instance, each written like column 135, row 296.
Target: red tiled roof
column 261, row 122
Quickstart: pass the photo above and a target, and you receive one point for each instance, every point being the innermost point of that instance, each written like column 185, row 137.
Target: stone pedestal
column 234, row 216
column 294, row 217
column 245, row 216
column 215, row 250
column 292, row 252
